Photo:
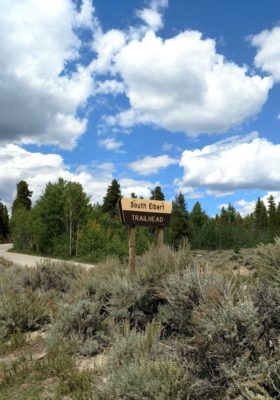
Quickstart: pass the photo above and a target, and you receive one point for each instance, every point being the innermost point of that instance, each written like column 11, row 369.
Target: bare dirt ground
column 28, row 260
column 34, row 346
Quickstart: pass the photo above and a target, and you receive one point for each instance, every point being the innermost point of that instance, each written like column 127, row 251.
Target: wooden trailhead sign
column 145, row 212
column 153, row 213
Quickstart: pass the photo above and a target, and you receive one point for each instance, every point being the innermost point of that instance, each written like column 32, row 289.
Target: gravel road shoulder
column 30, row 261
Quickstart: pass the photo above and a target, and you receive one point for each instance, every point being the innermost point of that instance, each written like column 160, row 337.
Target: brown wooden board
column 145, row 212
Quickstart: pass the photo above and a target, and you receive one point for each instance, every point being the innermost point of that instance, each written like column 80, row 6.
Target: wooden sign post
column 160, row 237
column 153, row 213
column 131, row 249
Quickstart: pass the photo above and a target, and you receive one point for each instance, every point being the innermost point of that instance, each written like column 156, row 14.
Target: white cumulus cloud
column 138, row 187
column 152, row 15
column 111, row 144
column 37, row 169
column 268, row 51
column 151, row 165
column 226, row 166
column 39, row 100
column 183, row 84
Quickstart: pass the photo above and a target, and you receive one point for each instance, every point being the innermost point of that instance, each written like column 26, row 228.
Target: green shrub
column 229, row 334
column 23, row 310
column 155, row 265
column 139, row 368
column 267, row 302
column 253, row 379
column 136, row 298
column 52, row 377
column 50, row 275
column 183, row 291
column 95, row 280
column 81, row 323
column 159, row 379
column 11, row 278
column 269, row 261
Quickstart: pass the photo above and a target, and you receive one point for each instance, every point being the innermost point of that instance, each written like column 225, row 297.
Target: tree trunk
column 131, row 248
column 77, row 239
column 70, row 233
column 160, row 238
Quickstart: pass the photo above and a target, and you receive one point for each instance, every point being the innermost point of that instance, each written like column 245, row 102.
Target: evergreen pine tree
column 179, row 224
column 111, row 198
column 278, row 215
column 180, row 206
column 260, row 215
column 157, row 194
column 228, row 216
column 272, row 212
column 198, row 217
column 23, row 197
column 5, row 222
column 223, row 216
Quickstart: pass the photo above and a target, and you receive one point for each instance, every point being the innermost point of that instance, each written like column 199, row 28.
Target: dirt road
column 27, row 260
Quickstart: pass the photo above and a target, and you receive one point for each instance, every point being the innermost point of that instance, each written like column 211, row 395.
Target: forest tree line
column 64, row 223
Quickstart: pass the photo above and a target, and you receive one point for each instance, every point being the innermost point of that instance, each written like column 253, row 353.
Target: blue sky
column 184, row 94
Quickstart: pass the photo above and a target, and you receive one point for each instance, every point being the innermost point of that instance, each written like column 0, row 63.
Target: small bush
column 267, row 302
column 82, row 323
column 53, row 377
column 159, row 379
column 138, row 368
column 23, row 310
column 50, row 275
column 185, row 290
column 11, row 278
column 156, row 265
column 95, row 281
column 269, row 261
column 257, row 379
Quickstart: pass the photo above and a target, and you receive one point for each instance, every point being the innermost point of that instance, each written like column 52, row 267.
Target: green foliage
column 269, row 261
column 76, row 209
column 50, row 275
column 101, row 238
column 23, row 310
column 23, row 197
column 64, row 224
column 156, row 265
column 157, row 194
column 4, row 221
column 63, row 208
column 111, row 199
column 198, row 216
column 138, row 368
column 93, row 238
column 83, row 323
column 180, row 226
column 272, row 212
column 183, row 292
column 53, row 377
column 260, row 215
column 20, row 229
column 267, row 302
